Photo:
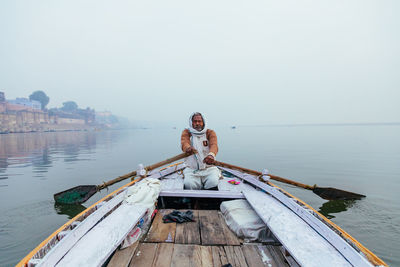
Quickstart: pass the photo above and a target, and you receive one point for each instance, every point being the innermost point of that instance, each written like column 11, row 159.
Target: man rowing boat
column 202, row 142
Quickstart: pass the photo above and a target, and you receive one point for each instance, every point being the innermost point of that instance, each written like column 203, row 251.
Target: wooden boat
column 297, row 235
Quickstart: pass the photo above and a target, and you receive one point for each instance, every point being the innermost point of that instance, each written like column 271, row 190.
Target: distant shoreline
column 52, row 128
column 326, row 124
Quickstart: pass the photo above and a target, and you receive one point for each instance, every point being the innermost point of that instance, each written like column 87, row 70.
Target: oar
column 329, row 193
column 81, row 193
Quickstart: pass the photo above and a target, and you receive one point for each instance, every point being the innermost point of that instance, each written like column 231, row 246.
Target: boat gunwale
column 30, row 255
column 369, row 255
column 92, row 208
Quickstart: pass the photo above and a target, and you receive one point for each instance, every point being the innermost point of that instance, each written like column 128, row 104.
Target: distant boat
column 233, row 127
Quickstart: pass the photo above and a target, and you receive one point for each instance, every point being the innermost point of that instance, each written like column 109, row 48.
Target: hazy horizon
column 239, row 63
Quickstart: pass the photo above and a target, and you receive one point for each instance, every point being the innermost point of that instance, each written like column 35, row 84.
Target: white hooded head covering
column 194, row 131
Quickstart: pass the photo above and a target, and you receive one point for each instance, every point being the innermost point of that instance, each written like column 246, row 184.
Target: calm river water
column 363, row 159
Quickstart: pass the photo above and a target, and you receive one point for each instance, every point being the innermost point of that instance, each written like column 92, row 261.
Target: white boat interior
column 118, row 232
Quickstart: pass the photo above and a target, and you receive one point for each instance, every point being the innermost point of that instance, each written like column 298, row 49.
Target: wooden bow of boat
column 299, row 235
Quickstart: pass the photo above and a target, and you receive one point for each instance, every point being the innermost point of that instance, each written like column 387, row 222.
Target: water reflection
column 3, row 164
column 40, row 150
column 335, row 206
column 71, row 210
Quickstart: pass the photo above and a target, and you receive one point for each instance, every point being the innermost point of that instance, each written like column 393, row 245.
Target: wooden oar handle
column 257, row 173
column 167, row 161
column 148, row 168
column 288, row 181
column 116, row 180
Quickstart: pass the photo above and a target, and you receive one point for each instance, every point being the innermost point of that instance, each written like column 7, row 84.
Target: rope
column 104, row 186
column 175, row 164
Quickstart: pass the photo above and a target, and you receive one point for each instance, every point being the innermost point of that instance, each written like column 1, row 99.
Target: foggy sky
column 239, row 62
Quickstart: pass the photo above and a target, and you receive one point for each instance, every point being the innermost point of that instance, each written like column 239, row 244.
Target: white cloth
column 243, row 220
column 201, row 179
column 198, row 140
column 144, row 192
column 195, row 161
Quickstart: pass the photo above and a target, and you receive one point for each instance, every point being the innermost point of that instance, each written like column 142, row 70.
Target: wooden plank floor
column 206, row 242
column 189, row 233
column 159, row 231
column 211, row 229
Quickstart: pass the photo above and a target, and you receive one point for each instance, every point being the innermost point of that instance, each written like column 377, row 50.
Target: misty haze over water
column 253, row 63
column 272, row 69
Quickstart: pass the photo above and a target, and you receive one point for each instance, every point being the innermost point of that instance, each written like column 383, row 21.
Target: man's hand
column 209, row 160
column 191, row 150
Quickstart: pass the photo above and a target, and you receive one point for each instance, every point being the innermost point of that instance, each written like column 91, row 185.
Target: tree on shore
column 69, row 106
column 41, row 97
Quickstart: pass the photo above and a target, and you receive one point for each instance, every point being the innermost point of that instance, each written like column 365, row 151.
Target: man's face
column 197, row 123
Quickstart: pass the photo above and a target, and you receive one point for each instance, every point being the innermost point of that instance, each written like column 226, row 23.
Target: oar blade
column 75, row 195
column 331, row 193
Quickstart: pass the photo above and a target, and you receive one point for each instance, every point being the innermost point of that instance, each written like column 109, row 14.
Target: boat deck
column 206, row 242
column 305, row 234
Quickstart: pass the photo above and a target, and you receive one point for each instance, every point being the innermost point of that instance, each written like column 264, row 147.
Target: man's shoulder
column 210, row 132
column 186, row 132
